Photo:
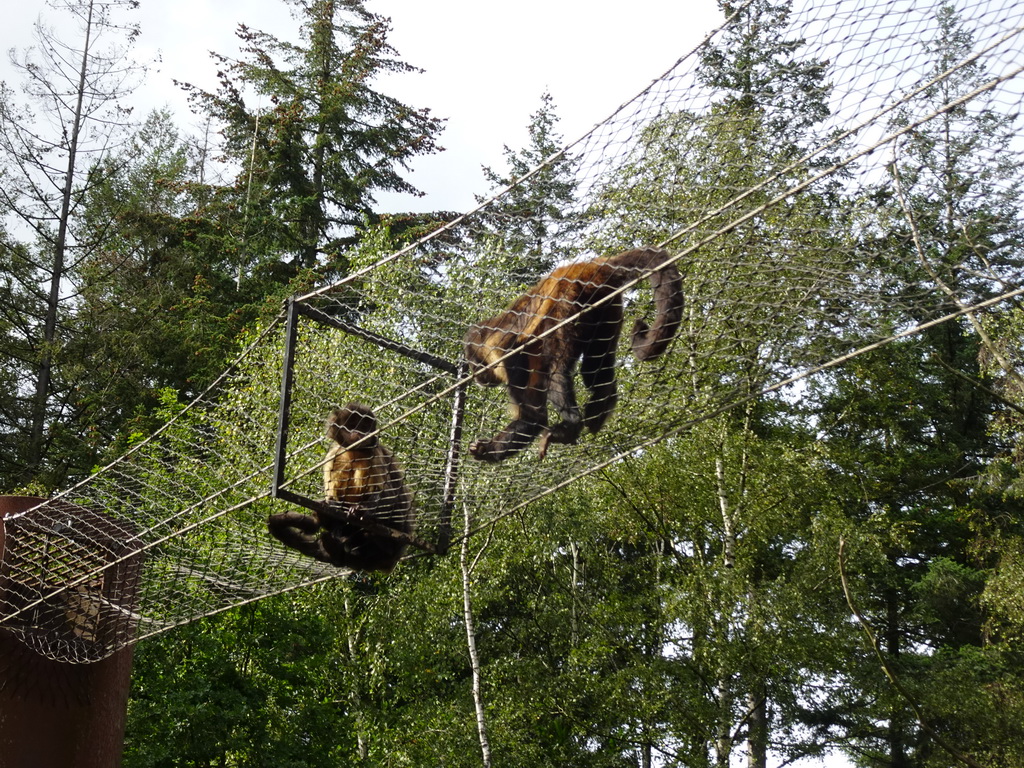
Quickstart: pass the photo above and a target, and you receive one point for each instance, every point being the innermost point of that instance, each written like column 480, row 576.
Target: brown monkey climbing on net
column 364, row 490
column 541, row 365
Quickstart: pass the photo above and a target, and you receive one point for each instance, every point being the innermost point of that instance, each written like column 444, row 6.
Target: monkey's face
column 358, row 438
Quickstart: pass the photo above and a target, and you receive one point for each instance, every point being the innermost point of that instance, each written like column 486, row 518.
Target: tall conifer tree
column 312, row 138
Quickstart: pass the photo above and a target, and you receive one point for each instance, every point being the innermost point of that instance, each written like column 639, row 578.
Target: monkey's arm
column 353, row 547
column 527, row 393
column 562, row 394
column 520, row 432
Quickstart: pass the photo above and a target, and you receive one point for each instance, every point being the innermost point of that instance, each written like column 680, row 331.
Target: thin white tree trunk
column 356, row 702
column 474, row 659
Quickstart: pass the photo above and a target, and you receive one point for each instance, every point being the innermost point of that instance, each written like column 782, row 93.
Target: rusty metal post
column 55, row 714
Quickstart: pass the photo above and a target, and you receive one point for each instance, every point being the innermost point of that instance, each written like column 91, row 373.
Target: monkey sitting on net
column 542, row 367
column 362, row 481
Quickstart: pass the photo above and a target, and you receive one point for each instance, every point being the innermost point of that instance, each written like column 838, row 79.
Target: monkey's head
column 485, row 344
column 353, row 423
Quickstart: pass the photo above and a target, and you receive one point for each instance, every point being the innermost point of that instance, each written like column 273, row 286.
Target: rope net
column 783, row 198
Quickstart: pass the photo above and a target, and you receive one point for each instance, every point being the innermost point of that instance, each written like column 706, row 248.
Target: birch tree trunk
column 353, row 636
column 474, row 659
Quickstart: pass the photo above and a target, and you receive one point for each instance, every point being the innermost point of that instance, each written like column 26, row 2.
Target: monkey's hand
column 357, row 511
column 340, row 511
column 485, row 450
column 511, row 440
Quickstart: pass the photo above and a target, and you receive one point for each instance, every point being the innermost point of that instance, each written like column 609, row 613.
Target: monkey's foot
column 566, row 434
column 543, row 443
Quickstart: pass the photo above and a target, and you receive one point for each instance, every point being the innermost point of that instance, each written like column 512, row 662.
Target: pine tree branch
column 890, row 673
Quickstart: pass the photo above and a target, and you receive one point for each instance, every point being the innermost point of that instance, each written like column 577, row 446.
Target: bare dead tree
column 70, row 120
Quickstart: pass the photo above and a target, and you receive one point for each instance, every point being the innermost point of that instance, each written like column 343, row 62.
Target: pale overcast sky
column 486, row 66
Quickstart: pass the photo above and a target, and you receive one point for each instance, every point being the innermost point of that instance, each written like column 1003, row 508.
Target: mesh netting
column 770, row 208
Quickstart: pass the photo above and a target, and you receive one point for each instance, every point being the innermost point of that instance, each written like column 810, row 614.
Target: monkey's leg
column 563, row 397
column 353, row 547
column 597, row 370
column 520, row 432
column 298, row 531
column 527, row 393
column 292, row 526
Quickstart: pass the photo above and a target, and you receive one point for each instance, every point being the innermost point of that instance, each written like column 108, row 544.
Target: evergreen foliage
column 834, row 566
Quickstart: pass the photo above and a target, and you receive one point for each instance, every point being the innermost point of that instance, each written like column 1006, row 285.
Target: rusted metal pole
column 55, row 714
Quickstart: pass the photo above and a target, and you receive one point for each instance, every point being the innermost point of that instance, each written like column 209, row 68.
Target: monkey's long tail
column 651, row 341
